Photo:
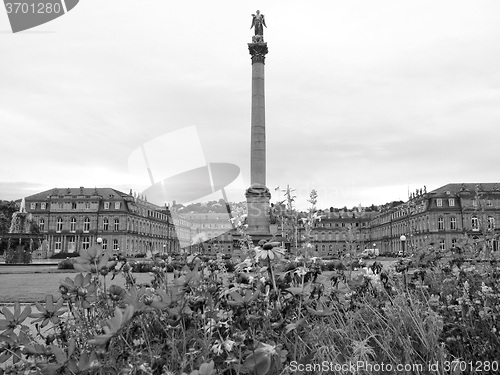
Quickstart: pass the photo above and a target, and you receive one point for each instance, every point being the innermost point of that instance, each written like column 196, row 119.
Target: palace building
column 73, row 219
column 447, row 217
column 444, row 218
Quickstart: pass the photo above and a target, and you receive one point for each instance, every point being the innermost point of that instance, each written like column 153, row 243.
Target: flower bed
column 268, row 316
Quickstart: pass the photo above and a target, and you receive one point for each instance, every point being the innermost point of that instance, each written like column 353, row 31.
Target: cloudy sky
column 364, row 99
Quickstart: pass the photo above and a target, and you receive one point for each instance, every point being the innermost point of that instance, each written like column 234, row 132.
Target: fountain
column 23, row 237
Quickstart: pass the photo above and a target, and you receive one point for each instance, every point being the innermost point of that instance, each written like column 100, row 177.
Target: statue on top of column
column 258, row 22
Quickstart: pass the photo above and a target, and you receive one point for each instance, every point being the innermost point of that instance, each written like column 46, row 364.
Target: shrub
column 66, row 264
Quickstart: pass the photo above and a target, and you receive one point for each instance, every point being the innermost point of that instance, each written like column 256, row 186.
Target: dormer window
column 451, row 202
column 117, row 205
column 106, row 205
column 439, row 202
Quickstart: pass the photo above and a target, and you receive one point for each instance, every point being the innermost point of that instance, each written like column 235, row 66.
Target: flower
column 50, row 312
column 94, row 259
column 269, row 250
column 116, row 293
column 13, row 319
column 82, row 290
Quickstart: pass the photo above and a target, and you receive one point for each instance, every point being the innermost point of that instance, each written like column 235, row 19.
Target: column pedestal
column 258, row 197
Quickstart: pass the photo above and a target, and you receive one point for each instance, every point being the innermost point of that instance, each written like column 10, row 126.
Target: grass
column 29, row 284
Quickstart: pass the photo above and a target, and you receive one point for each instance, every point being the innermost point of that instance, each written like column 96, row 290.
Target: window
column 57, row 245
column 439, row 202
column 441, row 245
column 72, row 225
column 59, row 224
column 474, row 202
column 85, row 242
column 453, row 242
column 115, row 244
column 475, row 223
column 43, row 206
column 104, row 244
column 106, row 205
column 86, row 225
column 33, row 206
column 451, row 202
column 87, row 205
column 323, row 248
column 60, row 205
column 73, row 206
column 117, row 224
column 71, row 244
column 489, row 203
column 491, row 222
column 105, row 224
column 41, row 225
column 440, row 223
column 117, row 205
column 453, row 223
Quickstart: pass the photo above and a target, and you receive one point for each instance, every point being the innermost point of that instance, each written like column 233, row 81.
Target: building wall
column 443, row 218
column 73, row 219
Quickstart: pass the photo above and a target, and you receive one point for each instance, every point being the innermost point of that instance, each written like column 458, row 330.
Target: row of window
column 72, row 224
column 106, row 224
column 451, row 202
column 336, row 225
column 74, row 205
column 85, row 243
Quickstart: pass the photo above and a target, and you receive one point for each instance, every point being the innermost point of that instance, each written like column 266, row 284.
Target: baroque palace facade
column 73, row 219
column 447, row 217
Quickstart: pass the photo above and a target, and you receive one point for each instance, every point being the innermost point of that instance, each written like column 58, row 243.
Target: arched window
column 491, row 222
column 59, row 225
column 72, row 225
column 41, row 225
column 440, row 223
column 475, row 223
column 453, row 223
column 86, row 225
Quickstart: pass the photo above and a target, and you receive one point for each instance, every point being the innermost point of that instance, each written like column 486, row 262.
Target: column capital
column 258, row 52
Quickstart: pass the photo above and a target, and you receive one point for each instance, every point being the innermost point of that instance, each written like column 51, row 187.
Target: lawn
column 33, row 283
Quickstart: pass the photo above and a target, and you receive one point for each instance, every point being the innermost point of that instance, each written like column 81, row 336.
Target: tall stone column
column 258, row 194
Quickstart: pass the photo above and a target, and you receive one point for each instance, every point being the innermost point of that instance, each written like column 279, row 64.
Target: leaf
column 299, row 323
column 59, row 354
column 257, row 363
column 207, row 368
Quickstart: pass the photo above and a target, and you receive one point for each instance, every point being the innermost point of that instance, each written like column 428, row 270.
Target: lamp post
column 99, row 241
column 403, row 240
column 164, row 249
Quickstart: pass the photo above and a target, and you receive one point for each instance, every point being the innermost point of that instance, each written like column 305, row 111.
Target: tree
column 7, row 209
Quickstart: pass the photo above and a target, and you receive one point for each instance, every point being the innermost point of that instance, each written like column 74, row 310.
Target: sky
column 365, row 100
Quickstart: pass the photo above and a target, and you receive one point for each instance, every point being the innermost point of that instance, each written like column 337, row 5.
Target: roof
column 455, row 188
column 108, row 193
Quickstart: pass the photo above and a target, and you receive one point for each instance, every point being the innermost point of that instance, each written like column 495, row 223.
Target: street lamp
column 99, row 240
column 164, row 248
column 403, row 240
